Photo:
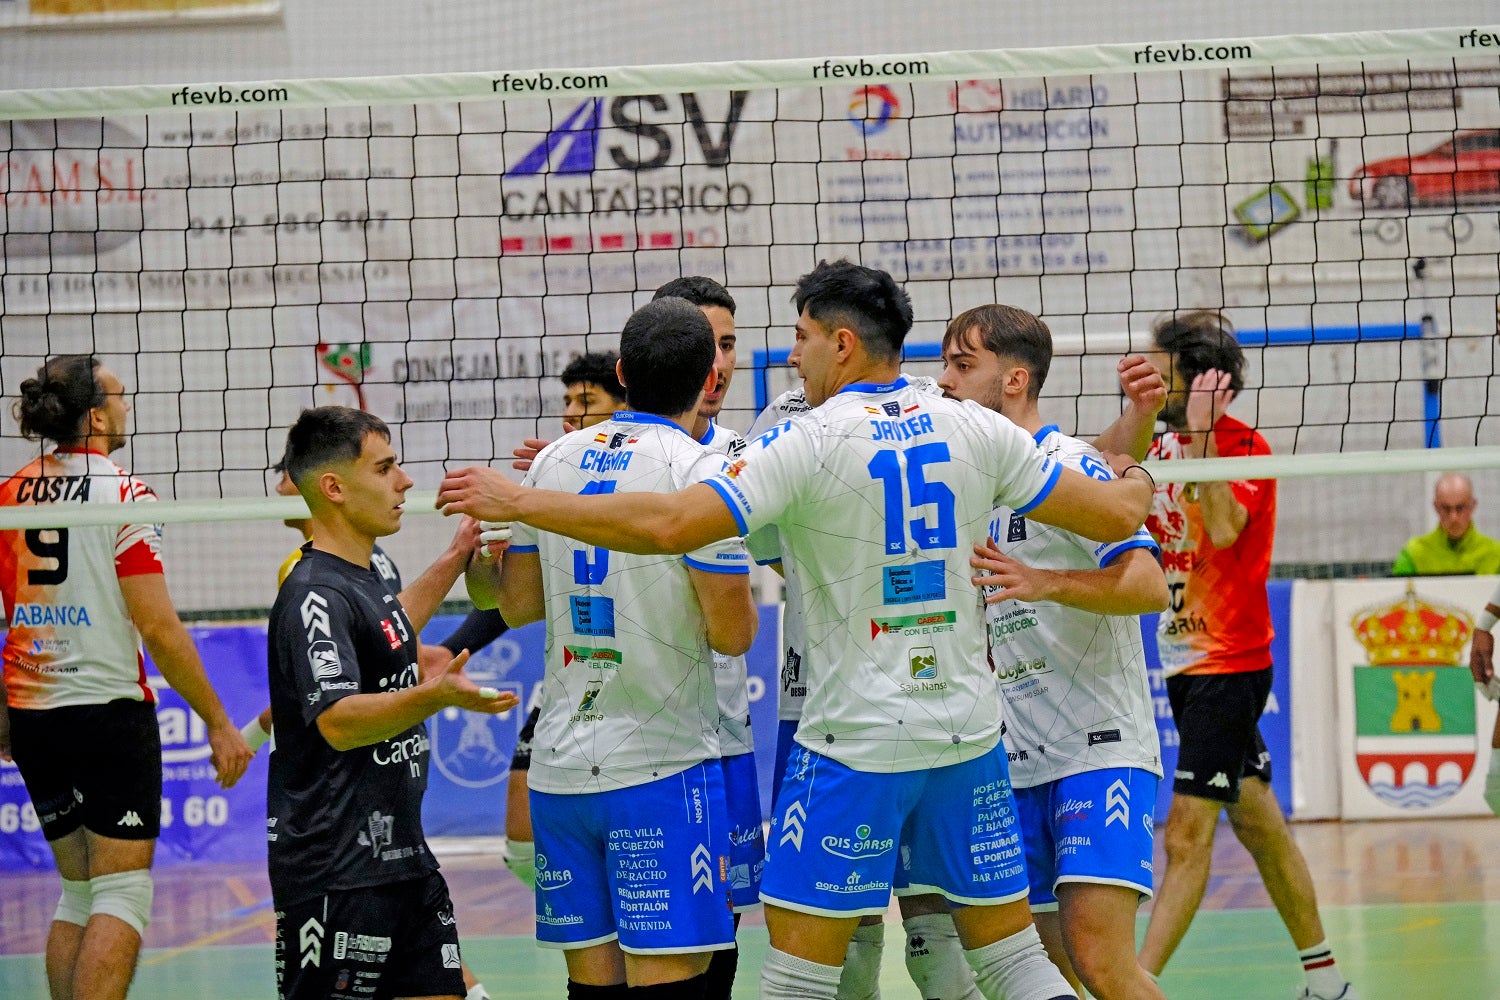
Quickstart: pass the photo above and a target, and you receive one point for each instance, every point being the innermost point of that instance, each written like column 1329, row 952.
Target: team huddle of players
column 965, row 716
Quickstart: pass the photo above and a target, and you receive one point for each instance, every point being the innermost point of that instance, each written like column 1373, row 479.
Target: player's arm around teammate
column 1131, row 585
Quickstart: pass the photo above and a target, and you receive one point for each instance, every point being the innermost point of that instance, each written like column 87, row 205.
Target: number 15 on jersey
column 919, row 491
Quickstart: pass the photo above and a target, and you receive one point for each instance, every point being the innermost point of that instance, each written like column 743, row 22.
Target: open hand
column 480, row 492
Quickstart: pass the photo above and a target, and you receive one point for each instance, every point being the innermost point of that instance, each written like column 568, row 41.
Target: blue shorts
column 648, row 864
column 1089, row 827
column 747, row 837
column 786, row 733
column 841, row 839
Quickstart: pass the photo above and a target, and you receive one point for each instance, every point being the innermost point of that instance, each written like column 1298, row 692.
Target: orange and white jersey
column 71, row 641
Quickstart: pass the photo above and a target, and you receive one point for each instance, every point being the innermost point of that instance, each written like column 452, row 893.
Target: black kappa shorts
column 394, row 940
column 1218, row 718
column 94, row 766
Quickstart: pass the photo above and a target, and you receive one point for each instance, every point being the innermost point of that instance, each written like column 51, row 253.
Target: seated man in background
column 1455, row 547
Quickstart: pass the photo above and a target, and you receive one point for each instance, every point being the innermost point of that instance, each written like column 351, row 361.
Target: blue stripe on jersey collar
column 708, row 435
column 633, row 417
column 900, row 383
column 1041, row 435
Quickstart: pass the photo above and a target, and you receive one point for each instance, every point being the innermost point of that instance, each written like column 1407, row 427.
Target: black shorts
column 394, row 940
column 1217, row 719
column 95, row 766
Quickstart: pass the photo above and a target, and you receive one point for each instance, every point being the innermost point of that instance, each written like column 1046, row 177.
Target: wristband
column 1487, row 620
column 1143, row 469
column 254, row 735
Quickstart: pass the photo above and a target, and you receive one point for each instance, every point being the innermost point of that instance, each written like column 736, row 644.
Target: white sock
column 860, row 977
column 1017, row 968
column 783, row 977
column 1323, row 977
column 1492, row 782
column 935, row 959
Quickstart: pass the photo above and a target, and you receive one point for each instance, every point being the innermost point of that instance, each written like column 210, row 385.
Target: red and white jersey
column 71, row 641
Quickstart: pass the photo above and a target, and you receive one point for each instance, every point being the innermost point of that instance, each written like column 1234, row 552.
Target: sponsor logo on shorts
column 1072, row 810
column 1219, row 780
column 859, row 846
column 854, row 883
column 1117, row 804
column 791, row 825
column 702, row 869
column 548, row 878
column 450, row 957
column 1181, row 775
column 131, row 818
column 553, row 920
column 310, row 943
column 360, row 947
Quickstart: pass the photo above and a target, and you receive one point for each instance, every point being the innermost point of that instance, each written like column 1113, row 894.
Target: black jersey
column 340, row 819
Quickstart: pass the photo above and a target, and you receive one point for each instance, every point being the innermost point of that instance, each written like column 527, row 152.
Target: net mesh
column 436, row 249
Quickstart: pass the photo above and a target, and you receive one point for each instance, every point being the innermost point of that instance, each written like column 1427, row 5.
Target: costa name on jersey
column 1076, row 693
column 879, row 530
column 629, row 693
column 352, row 818
column 71, row 640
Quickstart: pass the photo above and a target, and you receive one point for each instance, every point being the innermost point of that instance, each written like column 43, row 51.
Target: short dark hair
column 698, row 290
column 54, row 402
column 863, row 299
column 1201, row 339
column 1006, row 332
column 325, row 435
column 666, row 352
column 597, row 368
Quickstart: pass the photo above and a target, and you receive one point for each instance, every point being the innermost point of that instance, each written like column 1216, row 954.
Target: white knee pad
column 520, row 858
column 125, row 896
column 76, row 903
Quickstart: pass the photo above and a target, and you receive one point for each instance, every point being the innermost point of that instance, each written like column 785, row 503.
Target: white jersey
column 731, row 676
column 628, row 695
column 879, row 495
column 71, row 640
column 1076, row 694
column 765, row 549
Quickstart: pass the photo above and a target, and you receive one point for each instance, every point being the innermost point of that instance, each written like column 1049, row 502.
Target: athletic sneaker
column 1347, row 993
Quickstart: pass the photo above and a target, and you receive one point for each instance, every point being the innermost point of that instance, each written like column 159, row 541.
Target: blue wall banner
column 200, row 821
column 471, row 752
column 1275, row 724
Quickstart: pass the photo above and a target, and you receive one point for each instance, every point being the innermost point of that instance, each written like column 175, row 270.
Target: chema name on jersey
column 595, row 460
column 51, row 489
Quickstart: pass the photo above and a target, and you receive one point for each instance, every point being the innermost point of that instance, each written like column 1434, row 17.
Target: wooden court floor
column 1412, row 909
